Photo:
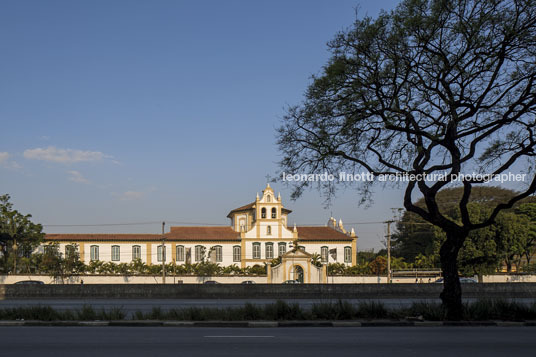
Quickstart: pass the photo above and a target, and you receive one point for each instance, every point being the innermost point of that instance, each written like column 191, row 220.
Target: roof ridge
column 107, row 234
column 201, row 226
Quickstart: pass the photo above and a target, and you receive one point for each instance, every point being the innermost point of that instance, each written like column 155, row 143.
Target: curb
column 346, row 324
column 263, row 324
column 428, row 324
column 469, row 323
column 267, row 324
column 387, row 323
column 305, row 324
column 221, row 324
column 178, row 324
column 511, row 323
column 136, row 323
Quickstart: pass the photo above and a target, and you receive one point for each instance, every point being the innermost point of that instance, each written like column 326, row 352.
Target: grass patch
column 499, row 310
column 428, row 311
column 47, row 313
column 281, row 311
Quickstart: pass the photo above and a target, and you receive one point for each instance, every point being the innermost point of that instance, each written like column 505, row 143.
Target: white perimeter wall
column 157, row 279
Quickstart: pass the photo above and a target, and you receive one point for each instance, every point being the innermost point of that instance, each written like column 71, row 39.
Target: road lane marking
column 223, row 336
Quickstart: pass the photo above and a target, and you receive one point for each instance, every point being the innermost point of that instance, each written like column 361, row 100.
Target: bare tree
column 433, row 87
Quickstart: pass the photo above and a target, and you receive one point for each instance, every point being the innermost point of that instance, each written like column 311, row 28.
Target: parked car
column 291, row 282
column 210, row 282
column 462, row 280
column 248, row 282
column 29, row 282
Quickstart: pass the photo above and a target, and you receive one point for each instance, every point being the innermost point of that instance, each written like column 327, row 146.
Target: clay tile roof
column 321, row 233
column 102, row 237
column 203, row 233
column 250, row 206
column 243, row 208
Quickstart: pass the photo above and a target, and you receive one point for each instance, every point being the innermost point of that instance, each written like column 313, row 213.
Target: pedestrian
column 81, row 281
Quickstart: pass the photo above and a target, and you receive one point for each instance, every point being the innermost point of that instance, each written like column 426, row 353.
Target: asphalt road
column 258, row 342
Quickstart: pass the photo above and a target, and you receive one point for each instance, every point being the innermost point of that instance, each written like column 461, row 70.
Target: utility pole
column 163, row 254
column 15, row 247
column 327, row 265
column 389, row 251
column 395, row 218
column 15, row 253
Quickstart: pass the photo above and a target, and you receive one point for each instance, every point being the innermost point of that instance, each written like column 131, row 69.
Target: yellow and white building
column 258, row 232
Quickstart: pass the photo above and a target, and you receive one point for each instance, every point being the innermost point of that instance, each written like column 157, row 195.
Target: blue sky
column 141, row 111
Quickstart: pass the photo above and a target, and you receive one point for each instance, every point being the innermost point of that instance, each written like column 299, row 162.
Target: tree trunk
column 452, row 292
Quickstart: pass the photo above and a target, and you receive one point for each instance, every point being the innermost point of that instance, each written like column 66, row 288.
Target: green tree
column 434, row 86
column 506, row 240
column 512, row 233
column 429, row 261
column 19, row 236
column 379, row 265
column 61, row 266
column 137, row 266
column 365, row 257
column 529, row 210
column 415, row 236
column 316, row 260
column 208, row 269
column 337, row 269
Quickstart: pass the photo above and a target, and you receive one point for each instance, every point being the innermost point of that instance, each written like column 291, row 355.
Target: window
column 199, row 253
column 268, row 198
column 269, row 230
column 274, row 213
column 242, row 225
column 69, row 250
column 180, row 253
column 218, row 252
column 94, row 252
column 237, row 253
column 263, row 212
column 256, row 251
column 269, row 250
column 136, row 252
column 324, row 254
column 347, row 254
column 161, row 253
column 115, row 253
column 282, row 248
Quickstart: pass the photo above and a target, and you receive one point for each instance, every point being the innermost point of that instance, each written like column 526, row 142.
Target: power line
column 183, row 223
column 212, row 224
column 198, row 223
column 101, row 224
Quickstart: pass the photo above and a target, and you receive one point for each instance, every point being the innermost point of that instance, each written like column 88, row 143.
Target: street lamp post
column 163, row 254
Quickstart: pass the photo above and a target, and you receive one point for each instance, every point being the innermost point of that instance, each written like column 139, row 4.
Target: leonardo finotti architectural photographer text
column 402, row 177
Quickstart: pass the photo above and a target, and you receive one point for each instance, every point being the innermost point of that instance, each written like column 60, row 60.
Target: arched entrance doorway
column 298, row 273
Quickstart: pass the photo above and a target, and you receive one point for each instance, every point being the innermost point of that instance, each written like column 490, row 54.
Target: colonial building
column 258, row 232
